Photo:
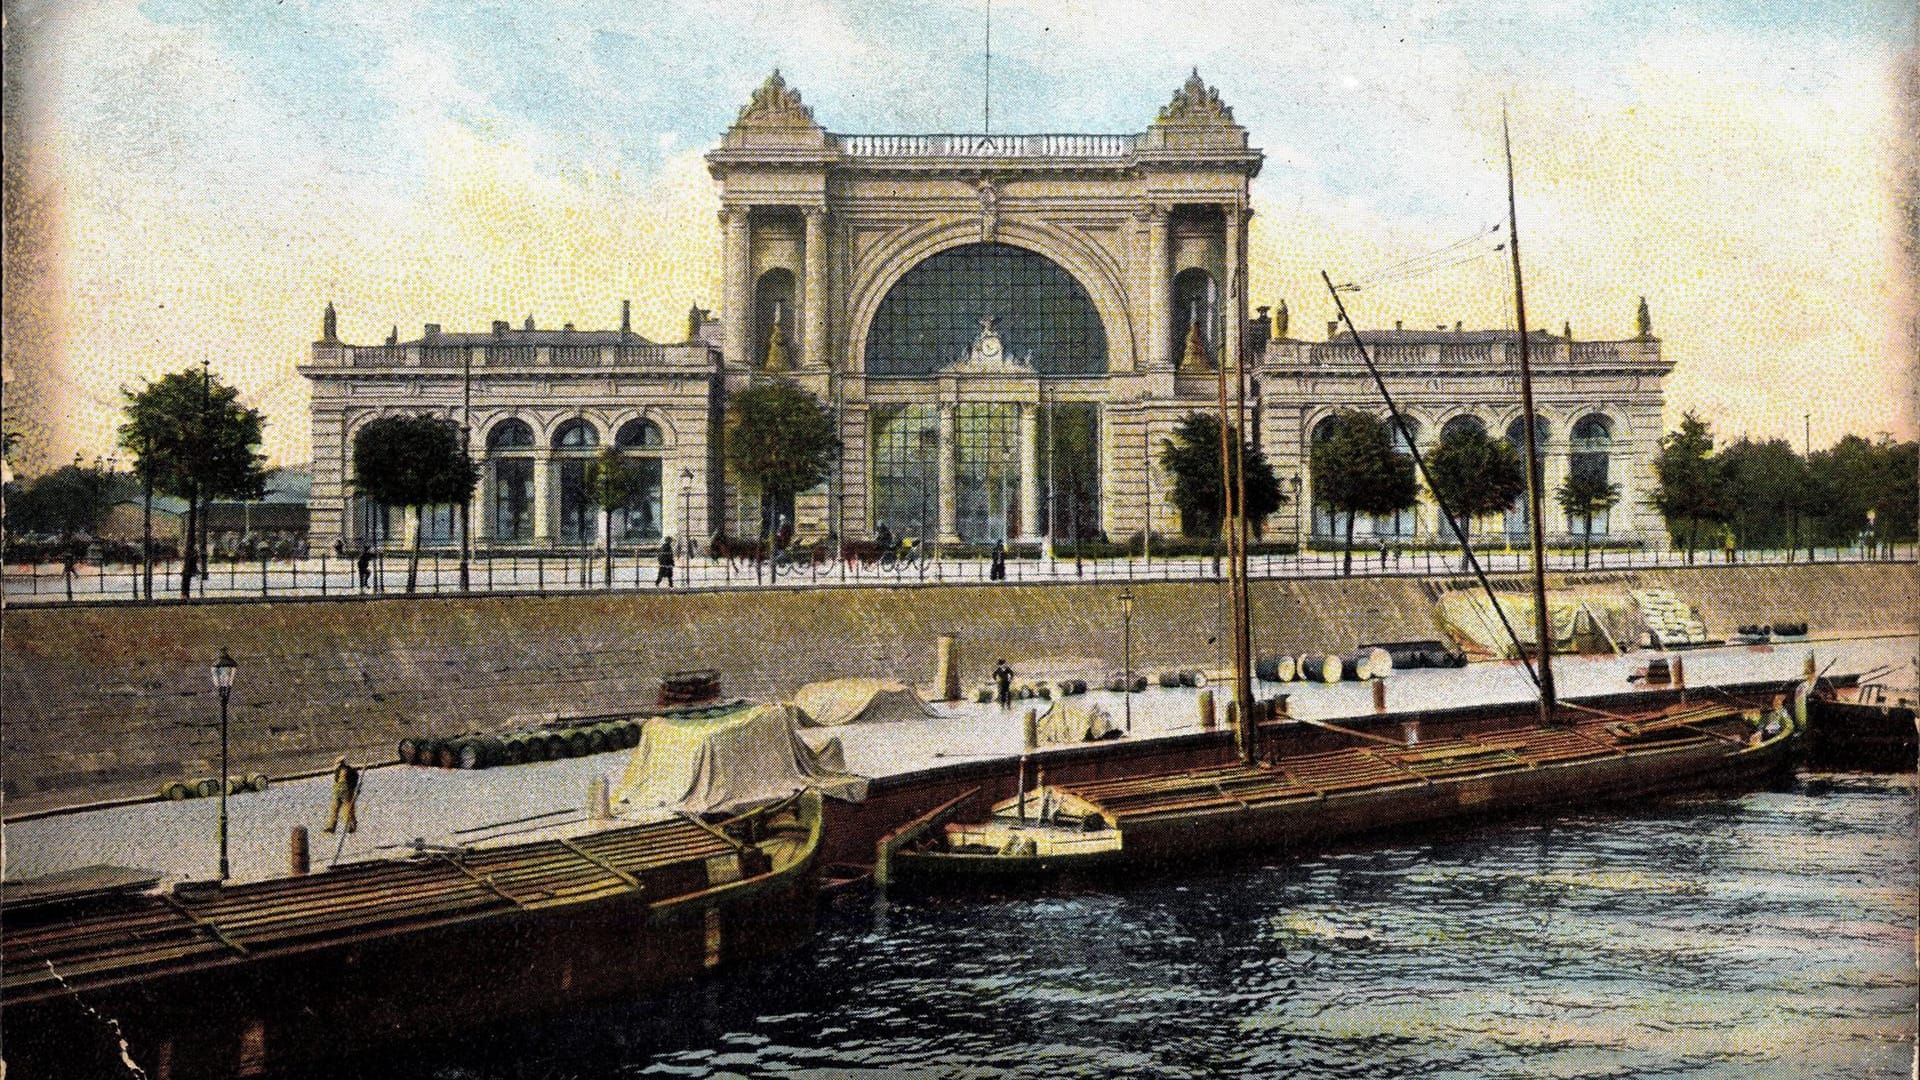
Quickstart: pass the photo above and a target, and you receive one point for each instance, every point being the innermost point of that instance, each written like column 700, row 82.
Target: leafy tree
column 415, row 462
column 69, row 501
column 1357, row 471
column 612, row 482
column 1474, row 474
column 780, row 439
column 1688, row 488
column 1587, row 495
column 1192, row 455
column 1856, row 478
column 191, row 438
column 1764, row 491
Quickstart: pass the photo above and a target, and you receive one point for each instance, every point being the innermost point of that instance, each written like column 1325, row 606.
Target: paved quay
column 399, row 804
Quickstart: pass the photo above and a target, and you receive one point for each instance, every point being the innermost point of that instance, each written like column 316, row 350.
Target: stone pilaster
column 544, row 512
column 813, row 335
column 1030, row 523
column 949, row 479
column 1159, row 350
column 736, row 268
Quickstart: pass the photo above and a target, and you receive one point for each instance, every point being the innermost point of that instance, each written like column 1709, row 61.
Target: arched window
column 773, row 306
column 1399, row 526
column 1195, row 299
column 1590, row 459
column 931, row 316
column 639, row 435
column 510, row 463
column 1463, row 422
column 510, row 435
column 576, row 435
column 641, row 520
column 574, row 444
column 1517, row 518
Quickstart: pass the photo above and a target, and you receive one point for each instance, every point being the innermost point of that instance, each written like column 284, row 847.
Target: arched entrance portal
column 984, row 363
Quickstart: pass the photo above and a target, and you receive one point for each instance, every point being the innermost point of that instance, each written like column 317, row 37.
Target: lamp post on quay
column 223, row 670
column 1126, row 652
column 686, row 514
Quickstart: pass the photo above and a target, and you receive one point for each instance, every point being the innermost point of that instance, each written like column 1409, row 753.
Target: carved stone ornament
column 1196, row 103
column 776, row 104
column 989, row 209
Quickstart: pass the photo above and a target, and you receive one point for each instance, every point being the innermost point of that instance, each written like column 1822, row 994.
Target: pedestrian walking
column 68, row 570
column 666, row 563
column 883, row 539
column 1002, row 683
column 997, row 568
column 346, row 793
column 365, row 564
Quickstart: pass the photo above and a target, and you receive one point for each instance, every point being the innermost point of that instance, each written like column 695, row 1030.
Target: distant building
column 1005, row 327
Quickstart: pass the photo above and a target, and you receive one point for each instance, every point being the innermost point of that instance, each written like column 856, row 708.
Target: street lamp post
column 686, row 514
column 1126, row 652
column 223, row 670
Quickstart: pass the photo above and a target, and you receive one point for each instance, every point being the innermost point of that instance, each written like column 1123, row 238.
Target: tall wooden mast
column 1541, row 622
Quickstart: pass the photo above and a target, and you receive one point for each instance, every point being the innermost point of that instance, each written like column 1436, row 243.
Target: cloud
column 221, row 175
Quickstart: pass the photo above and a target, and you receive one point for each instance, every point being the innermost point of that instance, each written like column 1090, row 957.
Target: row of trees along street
column 190, row 438
column 1761, row 494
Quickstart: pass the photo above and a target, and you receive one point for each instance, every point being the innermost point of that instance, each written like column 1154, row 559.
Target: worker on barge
column 346, row 792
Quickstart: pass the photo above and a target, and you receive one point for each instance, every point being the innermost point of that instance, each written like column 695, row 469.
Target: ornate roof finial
column 1196, row 102
column 777, row 102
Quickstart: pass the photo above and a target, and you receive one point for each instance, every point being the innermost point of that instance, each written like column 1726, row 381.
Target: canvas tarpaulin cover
column 728, row 762
column 858, row 701
column 1576, row 623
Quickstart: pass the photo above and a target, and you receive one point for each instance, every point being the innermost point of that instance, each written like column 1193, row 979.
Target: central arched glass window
column 906, row 469
column 932, row 315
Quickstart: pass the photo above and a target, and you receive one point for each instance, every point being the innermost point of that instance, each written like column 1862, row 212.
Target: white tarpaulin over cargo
column 858, row 701
column 1583, row 623
column 728, row 762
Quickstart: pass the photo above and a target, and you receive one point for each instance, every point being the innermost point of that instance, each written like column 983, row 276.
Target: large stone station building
column 1005, row 327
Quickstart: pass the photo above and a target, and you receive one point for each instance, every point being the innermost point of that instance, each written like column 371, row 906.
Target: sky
column 195, row 180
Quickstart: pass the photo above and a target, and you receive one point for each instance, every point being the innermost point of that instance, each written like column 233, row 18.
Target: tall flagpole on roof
column 986, row 108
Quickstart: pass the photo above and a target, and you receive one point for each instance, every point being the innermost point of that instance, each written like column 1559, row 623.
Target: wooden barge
column 218, row 981
column 1130, row 822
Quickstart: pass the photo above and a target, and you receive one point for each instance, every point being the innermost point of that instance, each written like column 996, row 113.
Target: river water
column 1768, row 934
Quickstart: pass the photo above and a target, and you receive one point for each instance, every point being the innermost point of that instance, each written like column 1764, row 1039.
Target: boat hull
column 248, row 1015
column 1304, row 823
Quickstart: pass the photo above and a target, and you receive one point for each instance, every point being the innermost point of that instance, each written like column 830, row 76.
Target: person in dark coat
column 997, row 569
column 666, row 562
column 883, row 539
column 1002, row 683
column 365, row 563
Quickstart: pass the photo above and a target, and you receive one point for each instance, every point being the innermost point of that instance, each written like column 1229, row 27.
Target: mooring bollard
column 1207, row 722
column 947, row 669
column 1680, row 677
column 297, row 860
column 1030, row 729
column 1379, row 695
column 599, row 806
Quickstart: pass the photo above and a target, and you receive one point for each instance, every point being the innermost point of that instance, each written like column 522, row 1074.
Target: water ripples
column 1767, row 934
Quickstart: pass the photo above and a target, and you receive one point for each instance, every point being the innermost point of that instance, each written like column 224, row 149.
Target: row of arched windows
column 1589, row 456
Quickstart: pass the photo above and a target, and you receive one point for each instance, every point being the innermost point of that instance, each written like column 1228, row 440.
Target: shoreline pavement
column 401, row 803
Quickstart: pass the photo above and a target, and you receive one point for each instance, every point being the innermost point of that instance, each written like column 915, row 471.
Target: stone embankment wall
column 115, row 700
